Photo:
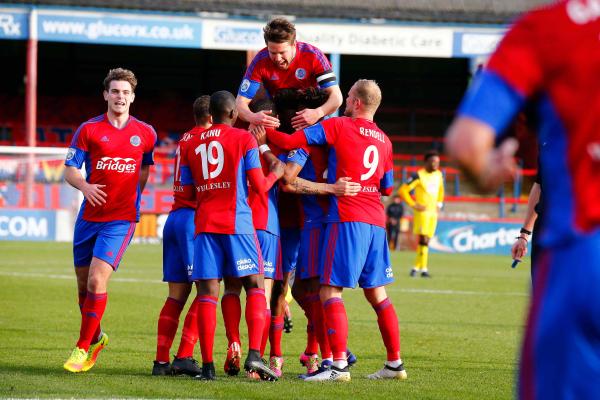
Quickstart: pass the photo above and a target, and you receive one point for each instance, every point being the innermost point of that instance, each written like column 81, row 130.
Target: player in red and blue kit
column 117, row 150
column 355, row 246
column 550, row 57
column 178, row 258
column 266, row 223
column 287, row 64
column 220, row 162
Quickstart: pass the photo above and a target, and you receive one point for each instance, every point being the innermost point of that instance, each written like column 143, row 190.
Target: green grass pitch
column 460, row 332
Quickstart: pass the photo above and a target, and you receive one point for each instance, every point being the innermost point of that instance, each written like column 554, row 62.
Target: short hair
column 288, row 101
column 279, row 30
column 369, row 93
column 221, row 104
column 200, row 108
column 262, row 104
column 120, row 74
column 431, row 153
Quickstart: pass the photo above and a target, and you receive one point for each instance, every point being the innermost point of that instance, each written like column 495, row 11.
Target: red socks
column 318, row 317
column 255, row 316
column 91, row 315
column 232, row 313
column 82, row 296
column 337, row 327
column 207, row 323
column 265, row 333
column 389, row 328
column 168, row 321
column 189, row 334
column 312, row 345
column 275, row 331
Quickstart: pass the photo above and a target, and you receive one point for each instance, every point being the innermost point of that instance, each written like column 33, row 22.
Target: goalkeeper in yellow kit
column 428, row 184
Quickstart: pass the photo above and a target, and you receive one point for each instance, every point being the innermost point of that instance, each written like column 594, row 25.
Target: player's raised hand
column 260, row 134
column 94, row 194
column 265, row 119
column 306, row 117
column 345, row 187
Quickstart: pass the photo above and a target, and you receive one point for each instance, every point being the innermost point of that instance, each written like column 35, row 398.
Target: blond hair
column 369, row 93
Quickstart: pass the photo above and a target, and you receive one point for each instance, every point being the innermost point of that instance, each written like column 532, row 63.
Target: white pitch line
column 155, row 281
column 458, row 292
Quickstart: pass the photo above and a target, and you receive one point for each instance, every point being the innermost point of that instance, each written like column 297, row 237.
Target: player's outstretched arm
column 343, row 187
column 310, row 116
column 261, row 183
column 471, row 143
column 93, row 193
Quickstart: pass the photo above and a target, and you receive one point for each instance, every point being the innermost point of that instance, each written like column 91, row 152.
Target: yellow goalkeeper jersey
column 428, row 187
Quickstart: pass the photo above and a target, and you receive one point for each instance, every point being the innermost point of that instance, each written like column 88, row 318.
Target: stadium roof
column 456, row 11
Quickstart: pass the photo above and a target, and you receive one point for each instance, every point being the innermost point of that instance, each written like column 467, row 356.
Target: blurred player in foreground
column 178, row 260
column 117, row 150
column 428, row 184
column 550, row 56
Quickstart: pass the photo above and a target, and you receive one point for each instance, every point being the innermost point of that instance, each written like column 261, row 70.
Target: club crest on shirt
column 104, row 139
column 135, row 140
column 300, row 73
column 245, row 85
column 70, row 153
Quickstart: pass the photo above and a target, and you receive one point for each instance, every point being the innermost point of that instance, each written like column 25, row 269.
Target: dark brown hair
column 279, row 30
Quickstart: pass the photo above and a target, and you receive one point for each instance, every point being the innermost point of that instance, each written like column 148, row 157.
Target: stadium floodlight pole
column 31, row 103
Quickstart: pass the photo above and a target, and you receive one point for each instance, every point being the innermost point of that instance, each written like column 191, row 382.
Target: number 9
column 368, row 163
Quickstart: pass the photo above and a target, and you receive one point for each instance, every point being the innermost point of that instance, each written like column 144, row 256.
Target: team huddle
column 293, row 196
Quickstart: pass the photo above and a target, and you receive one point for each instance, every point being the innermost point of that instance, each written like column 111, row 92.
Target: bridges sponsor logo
column 118, row 164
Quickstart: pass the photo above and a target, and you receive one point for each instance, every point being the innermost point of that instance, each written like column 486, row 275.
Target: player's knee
column 96, row 283
column 375, row 295
column 232, row 286
column 208, row 287
column 252, row 282
column 327, row 292
column 180, row 291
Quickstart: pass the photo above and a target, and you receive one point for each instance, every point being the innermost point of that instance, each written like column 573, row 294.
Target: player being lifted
column 428, row 184
column 178, row 258
column 287, row 64
column 355, row 246
column 219, row 162
column 117, row 150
